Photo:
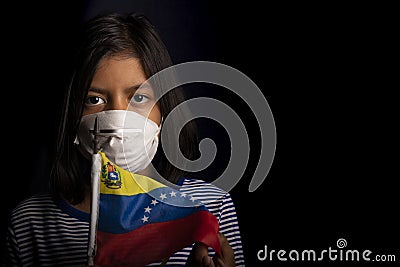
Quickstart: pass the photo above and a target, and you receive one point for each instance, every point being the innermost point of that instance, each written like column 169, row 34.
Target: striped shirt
column 46, row 231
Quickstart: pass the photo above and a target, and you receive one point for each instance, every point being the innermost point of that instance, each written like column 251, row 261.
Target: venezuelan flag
column 143, row 221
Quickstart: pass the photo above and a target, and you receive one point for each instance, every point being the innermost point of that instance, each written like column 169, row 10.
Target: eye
column 137, row 98
column 94, row 100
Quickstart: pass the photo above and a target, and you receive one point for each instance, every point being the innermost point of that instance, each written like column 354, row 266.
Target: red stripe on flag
column 155, row 241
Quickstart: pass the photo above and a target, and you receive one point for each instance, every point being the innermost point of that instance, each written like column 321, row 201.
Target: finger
column 227, row 256
column 226, row 249
column 198, row 256
column 207, row 261
column 218, row 261
column 199, row 251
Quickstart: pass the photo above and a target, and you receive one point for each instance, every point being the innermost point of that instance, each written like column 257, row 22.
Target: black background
column 327, row 71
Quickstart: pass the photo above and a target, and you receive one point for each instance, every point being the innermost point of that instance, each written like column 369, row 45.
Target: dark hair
column 130, row 35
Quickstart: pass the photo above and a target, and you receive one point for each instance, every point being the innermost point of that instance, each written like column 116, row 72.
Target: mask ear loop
column 159, row 128
column 162, row 120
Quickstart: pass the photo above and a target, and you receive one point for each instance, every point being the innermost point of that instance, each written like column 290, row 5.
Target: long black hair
column 131, row 35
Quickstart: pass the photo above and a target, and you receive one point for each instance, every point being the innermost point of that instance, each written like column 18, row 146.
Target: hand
column 199, row 255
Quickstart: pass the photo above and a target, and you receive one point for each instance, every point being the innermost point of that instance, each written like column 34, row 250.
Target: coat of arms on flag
column 111, row 176
column 143, row 221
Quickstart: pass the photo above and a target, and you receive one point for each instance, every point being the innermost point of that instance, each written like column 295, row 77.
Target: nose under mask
column 128, row 139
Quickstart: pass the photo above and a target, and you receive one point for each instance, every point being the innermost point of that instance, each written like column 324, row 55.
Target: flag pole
column 95, row 194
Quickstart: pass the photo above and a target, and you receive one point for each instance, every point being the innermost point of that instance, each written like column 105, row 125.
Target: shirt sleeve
column 10, row 257
column 229, row 226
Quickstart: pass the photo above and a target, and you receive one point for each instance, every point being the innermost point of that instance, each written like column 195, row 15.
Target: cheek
column 91, row 110
column 155, row 114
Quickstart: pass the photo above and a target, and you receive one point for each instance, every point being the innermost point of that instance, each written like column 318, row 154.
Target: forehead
column 119, row 70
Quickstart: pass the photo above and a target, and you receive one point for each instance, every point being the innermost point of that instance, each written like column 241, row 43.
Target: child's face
column 116, row 84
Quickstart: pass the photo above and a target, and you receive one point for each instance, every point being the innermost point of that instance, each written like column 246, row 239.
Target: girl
column 117, row 55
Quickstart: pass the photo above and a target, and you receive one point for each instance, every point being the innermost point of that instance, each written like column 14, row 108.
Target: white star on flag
column 183, row 194
column 147, row 209
column 163, row 196
column 172, row 194
column 154, row 202
column 145, row 219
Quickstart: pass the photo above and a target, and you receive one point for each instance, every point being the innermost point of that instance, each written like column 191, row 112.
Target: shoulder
column 32, row 206
column 206, row 192
column 197, row 185
column 40, row 200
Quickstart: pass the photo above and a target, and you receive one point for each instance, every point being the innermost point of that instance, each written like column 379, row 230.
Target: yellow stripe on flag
column 117, row 181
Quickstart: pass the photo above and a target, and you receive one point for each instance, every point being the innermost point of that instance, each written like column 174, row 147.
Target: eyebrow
column 126, row 90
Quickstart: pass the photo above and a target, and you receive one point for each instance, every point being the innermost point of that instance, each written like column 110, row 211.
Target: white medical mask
column 128, row 139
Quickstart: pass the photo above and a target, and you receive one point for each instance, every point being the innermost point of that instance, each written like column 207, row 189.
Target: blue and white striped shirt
column 46, row 231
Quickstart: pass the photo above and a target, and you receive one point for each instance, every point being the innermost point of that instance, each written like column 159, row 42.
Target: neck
column 84, row 205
